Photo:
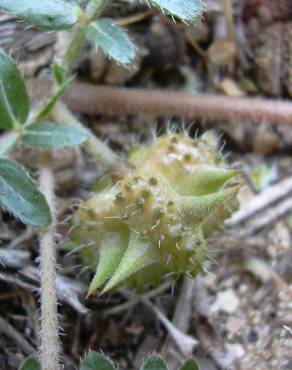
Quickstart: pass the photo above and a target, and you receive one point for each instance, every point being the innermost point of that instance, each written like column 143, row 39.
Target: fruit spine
column 156, row 220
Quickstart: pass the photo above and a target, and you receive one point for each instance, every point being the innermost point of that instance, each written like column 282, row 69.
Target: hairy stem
column 93, row 10
column 49, row 355
column 96, row 148
column 49, row 320
column 91, row 99
column 74, row 48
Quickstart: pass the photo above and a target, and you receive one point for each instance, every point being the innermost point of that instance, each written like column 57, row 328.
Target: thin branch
column 133, row 301
column 269, row 217
column 265, row 199
column 91, row 99
column 184, row 342
column 16, row 337
column 181, row 321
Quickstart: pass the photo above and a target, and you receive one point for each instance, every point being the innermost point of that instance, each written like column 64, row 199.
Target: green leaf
column 59, row 72
column 190, row 364
column 20, row 195
column 44, row 14
column 7, row 141
column 97, row 361
column 53, row 135
column 187, row 10
column 113, row 40
column 30, row 363
column 154, row 362
column 14, row 101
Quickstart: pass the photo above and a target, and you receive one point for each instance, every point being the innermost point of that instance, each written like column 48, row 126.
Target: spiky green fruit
column 156, row 220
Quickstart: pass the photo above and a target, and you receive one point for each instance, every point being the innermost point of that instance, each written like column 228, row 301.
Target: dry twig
column 133, row 301
column 271, row 195
column 16, row 337
column 92, row 99
column 181, row 321
column 269, row 217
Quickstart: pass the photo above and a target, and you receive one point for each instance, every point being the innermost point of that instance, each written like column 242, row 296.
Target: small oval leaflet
column 187, row 10
column 190, row 364
column 44, row 14
column 154, row 362
column 14, row 100
column 20, row 195
column 113, row 40
column 30, row 363
column 53, row 135
column 97, row 361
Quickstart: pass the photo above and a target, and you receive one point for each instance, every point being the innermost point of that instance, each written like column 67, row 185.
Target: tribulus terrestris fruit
column 156, row 221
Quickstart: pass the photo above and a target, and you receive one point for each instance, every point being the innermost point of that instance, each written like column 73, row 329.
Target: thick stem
column 49, row 355
column 96, row 148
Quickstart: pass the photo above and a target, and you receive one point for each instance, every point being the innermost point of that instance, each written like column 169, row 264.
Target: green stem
column 94, row 10
column 99, row 151
column 74, row 47
column 49, row 322
column 7, row 142
column 96, row 148
column 50, row 103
